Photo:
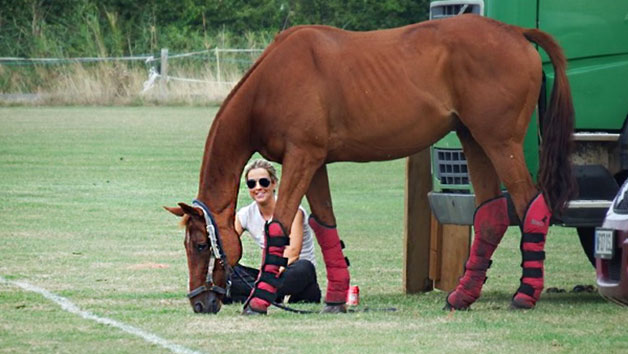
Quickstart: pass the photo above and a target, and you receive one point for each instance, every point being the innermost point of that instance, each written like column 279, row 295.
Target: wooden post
column 449, row 249
column 217, row 52
column 416, row 251
column 163, row 72
column 436, row 247
column 434, row 254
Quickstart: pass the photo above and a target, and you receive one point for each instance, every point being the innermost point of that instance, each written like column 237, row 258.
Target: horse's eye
column 202, row 247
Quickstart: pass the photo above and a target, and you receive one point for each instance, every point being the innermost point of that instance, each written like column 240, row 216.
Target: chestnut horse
column 319, row 94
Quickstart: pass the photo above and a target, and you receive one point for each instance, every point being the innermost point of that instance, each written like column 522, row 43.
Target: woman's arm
column 238, row 226
column 293, row 250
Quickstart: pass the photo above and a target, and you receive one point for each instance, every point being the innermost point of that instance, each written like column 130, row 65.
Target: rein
column 274, row 303
column 304, row 312
column 217, row 253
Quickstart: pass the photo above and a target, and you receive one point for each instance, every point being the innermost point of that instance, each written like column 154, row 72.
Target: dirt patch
column 148, row 265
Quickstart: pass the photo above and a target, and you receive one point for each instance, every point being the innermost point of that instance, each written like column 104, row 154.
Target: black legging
column 299, row 281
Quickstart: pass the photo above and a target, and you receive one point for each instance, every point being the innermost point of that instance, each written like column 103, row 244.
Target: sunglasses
column 263, row 182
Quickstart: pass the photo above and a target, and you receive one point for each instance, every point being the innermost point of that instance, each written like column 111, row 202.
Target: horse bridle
column 217, row 253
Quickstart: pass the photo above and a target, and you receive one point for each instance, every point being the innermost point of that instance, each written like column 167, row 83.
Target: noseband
column 217, row 253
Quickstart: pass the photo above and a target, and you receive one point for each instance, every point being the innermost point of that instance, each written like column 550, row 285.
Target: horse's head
column 209, row 251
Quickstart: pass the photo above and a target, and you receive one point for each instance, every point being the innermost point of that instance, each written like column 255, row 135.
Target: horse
column 319, row 95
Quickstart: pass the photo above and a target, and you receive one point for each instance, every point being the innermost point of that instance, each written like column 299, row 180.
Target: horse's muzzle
column 206, row 302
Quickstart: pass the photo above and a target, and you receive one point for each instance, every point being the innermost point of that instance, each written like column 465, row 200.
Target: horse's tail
column 555, row 178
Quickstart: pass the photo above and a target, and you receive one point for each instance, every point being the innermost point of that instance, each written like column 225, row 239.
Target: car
column 611, row 250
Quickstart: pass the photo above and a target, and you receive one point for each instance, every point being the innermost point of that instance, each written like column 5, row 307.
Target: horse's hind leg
column 534, row 214
column 323, row 223
column 490, row 222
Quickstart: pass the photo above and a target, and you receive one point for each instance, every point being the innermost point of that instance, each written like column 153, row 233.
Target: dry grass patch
column 149, row 265
column 115, row 84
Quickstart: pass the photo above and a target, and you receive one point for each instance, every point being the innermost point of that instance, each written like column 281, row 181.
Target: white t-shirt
column 252, row 221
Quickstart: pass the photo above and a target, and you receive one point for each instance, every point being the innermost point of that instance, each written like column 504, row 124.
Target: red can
column 353, row 296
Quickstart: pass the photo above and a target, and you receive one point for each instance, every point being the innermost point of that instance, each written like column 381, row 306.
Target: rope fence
column 28, row 61
column 157, row 65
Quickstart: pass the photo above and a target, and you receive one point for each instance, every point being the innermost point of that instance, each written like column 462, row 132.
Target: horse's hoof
column 338, row 308
column 449, row 307
column 520, row 305
column 249, row 311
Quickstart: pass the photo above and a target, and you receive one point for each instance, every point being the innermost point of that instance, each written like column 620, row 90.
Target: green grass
column 81, row 191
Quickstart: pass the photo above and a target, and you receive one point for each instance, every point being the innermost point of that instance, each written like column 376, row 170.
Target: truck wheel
column 587, row 240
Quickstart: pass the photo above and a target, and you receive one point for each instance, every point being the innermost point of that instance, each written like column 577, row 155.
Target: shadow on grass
column 434, row 301
column 573, row 298
column 551, row 298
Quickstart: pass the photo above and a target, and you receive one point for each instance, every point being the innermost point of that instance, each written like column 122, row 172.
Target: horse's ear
column 190, row 210
column 178, row 211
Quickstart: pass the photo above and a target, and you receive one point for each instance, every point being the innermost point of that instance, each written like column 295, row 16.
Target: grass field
column 81, row 191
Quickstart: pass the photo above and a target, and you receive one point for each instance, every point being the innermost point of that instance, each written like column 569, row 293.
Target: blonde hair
column 261, row 163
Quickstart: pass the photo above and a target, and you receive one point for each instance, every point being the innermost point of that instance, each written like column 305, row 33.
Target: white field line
column 68, row 306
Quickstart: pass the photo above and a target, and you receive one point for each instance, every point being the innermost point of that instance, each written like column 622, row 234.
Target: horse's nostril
column 198, row 307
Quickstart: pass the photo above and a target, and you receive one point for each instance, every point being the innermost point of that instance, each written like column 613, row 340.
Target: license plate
column 604, row 243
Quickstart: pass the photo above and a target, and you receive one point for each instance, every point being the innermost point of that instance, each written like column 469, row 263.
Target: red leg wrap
column 535, row 225
column 337, row 268
column 268, row 281
column 490, row 222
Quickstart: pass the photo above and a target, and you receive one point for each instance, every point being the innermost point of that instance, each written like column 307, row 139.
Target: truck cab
column 594, row 36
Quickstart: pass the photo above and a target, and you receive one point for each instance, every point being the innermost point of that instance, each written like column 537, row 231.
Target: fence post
column 217, row 52
column 417, row 216
column 164, row 72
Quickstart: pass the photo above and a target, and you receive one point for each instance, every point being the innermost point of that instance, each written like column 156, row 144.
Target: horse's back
column 457, row 34
column 398, row 89
column 436, row 57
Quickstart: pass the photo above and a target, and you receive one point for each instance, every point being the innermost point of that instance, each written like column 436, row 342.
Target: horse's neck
column 226, row 152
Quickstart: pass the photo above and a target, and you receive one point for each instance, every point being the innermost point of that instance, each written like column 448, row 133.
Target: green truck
column 594, row 36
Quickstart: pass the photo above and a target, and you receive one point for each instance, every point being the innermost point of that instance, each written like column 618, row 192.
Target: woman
column 299, row 276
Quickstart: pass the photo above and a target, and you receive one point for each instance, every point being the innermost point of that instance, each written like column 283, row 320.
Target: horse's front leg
column 298, row 168
column 323, row 222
